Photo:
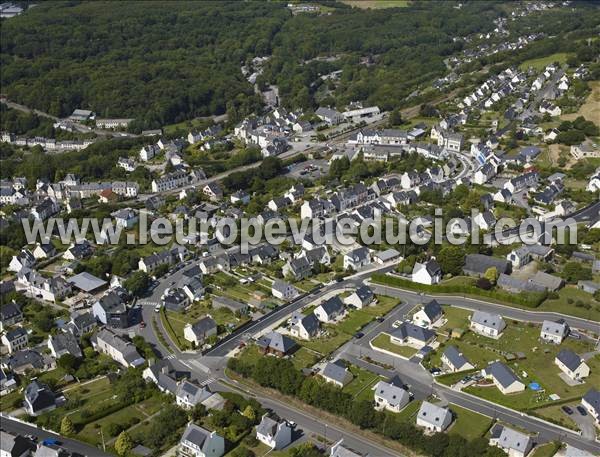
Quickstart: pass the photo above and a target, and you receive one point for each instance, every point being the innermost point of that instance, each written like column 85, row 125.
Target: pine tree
column 66, row 426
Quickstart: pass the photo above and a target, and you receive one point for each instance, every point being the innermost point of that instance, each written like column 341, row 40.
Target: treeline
column 280, row 374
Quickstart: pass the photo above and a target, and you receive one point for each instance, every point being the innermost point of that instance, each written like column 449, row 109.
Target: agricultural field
column 591, row 108
column 542, row 62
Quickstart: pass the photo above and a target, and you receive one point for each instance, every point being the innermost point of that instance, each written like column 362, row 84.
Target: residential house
column 329, row 115
column 39, row 398
column 43, row 251
column 330, row 310
column 304, row 327
column 213, row 191
column 29, row 360
column 572, row 365
column 200, row 330
column 164, row 375
column 199, row 442
column 283, row 290
column 514, row 443
column 80, row 324
column 117, row 348
column 433, row 418
column 234, row 306
column 490, row 325
column 277, row 344
column 485, row 220
column 10, row 314
column 336, row 373
column 522, row 182
column 503, row 377
column 428, row 272
column 78, row 251
column 112, row 310
column 189, row 395
column 554, row 331
column 360, row 298
column 8, row 383
column 547, row 281
column 408, row 334
column 23, row 259
column 390, row 396
column 175, row 299
column 429, row 314
column 12, row 445
column 64, row 343
column 339, row 450
column 591, row 402
column 241, row 197
column 275, row 434
column 34, row 285
column 455, row 360
column 15, row 339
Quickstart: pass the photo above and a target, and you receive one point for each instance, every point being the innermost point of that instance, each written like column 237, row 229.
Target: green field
column 541, row 63
column 573, row 294
column 538, row 364
column 304, row 358
column 362, row 383
column 545, row 450
column 383, row 341
column 468, row 424
column 377, row 4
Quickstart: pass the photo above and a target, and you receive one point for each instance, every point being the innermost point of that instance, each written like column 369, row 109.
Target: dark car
column 359, row 335
column 582, row 410
column 380, row 319
column 567, row 410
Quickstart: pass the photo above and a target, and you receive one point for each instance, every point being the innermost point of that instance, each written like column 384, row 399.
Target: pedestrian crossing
column 208, row 381
column 169, row 357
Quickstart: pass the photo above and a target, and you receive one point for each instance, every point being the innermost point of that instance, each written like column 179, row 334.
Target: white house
column 199, row 442
column 276, row 435
column 304, row 327
column 330, row 310
column 503, row 378
column 490, row 325
column 199, row 331
column 361, row 297
column 429, row 314
column 390, row 397
column 283, row 290
column 554, row 332
column 514, row 443
column 591, row 402
column 337, row 374
column 455, row 360
column 357, row 258
column 572, row 365
column 428, row 273
column 433, row 418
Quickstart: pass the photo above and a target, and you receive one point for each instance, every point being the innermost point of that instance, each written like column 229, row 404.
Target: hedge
column 530, row 299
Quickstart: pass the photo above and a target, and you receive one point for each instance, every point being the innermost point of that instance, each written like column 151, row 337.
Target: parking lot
column 311, row 169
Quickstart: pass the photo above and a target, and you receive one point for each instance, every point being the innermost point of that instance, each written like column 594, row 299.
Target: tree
column 249, row 413
column 137, row 283
column 68, row 362
column 574, row 271
column 395, row 118
column 451, row 259
column 66, row 426
column 491, row 274
column 123, row 444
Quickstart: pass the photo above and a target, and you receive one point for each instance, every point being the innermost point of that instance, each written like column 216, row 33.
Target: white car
column 157, row 309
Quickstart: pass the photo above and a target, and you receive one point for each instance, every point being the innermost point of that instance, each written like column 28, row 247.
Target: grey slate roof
column 555, row 328
column 39, row 396
column 336, row 372
column 512, row 439
column 267, row 426
column 547, row 281
column 309, row 322
column 394, row 395
column 204, row 325
column 66, row 341
column 593, row 398
column 488, row 320
column 501, row 373
column 406, row 329
column 196, row 435
column 569, row 359
column 433, row 310
column 479, row 263
column 277, row 342
column 333, row 305
column 455, row 357
column 433, row 414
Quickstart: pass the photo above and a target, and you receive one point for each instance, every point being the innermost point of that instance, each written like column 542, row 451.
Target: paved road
column 13, row 426
column 474, row 304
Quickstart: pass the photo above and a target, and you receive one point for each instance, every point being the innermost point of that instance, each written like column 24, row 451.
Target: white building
column 433, row 418
column 276, row 435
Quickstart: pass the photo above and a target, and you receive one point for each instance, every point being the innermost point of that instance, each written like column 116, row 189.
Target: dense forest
column 164, row 62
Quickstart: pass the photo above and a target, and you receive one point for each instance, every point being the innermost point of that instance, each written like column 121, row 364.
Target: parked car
column 582, row 410
column 359, row 335
column 567, row 410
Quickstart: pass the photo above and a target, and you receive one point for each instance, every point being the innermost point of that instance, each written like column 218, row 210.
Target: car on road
column 397, row 323
column 380, row 319
column 567, row 410
column 358, row 335
column 435, row 371
column 582, row 410
column 51, row 442
column 157, row 308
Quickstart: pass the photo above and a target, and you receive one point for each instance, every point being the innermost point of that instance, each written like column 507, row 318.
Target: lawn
column 555, row 414
column 591, row 108
column 409, row 412
column 538, row 364
column 542, row 62
column 383, row 341
column 545, row 450
column 469, row 424
column 304, row 358
column 327, row 343
column 456, row 318
column 363, row 381
column 573, row 294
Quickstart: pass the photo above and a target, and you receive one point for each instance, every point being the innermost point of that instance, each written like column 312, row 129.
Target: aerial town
column 124, row 339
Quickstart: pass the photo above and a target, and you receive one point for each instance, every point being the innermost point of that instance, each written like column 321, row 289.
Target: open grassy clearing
column 383, row 341
column 376, row 4
column 469, row 424
column 562, row 305
column 545, row 450
column 543, row 62
column 591, row 108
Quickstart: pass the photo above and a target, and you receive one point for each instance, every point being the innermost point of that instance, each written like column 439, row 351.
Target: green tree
column 137, row 283
column 249, row 413
column 451, row 259
column 124, row 443
column 491, row 274
column 68, row 362
column 66, row 426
